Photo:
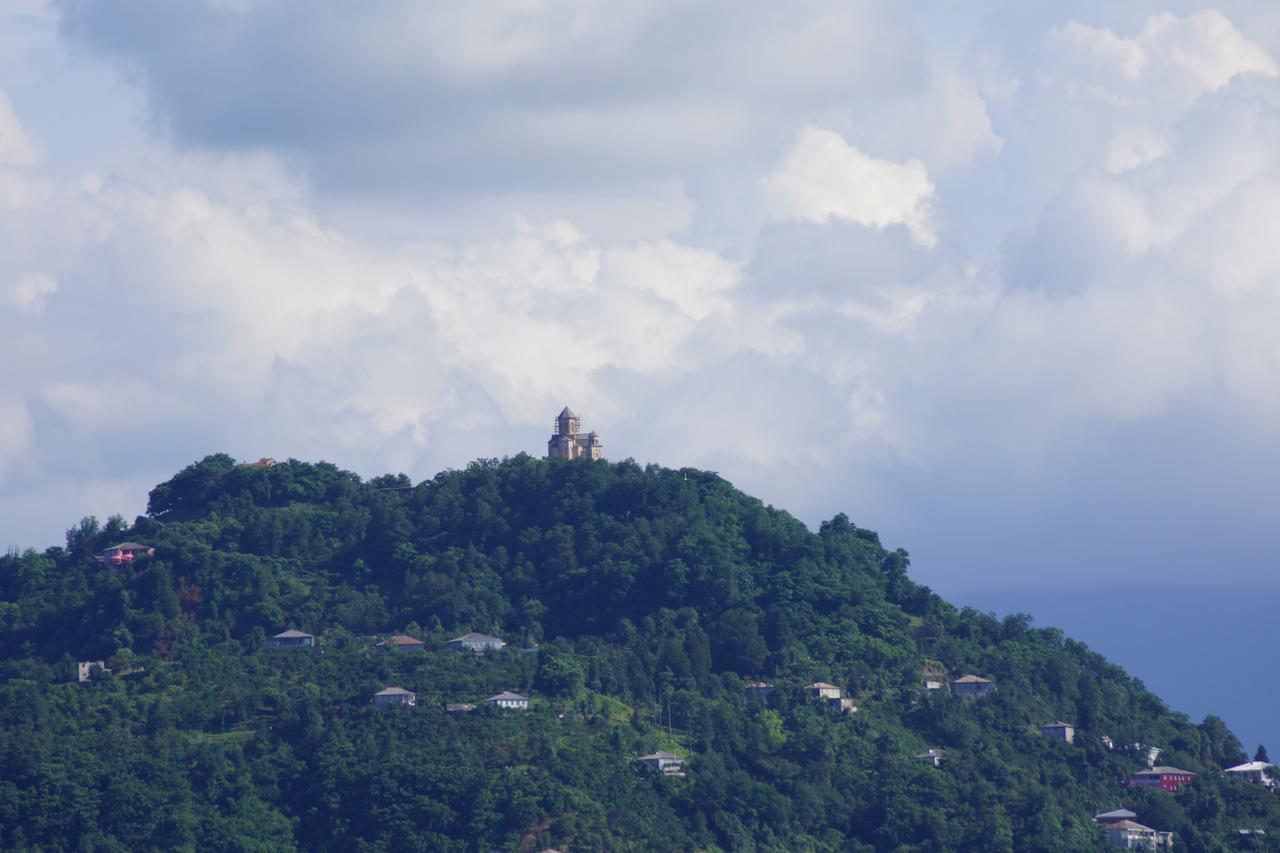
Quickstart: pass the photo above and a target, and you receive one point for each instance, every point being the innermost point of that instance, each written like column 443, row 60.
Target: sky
column 1000, row 280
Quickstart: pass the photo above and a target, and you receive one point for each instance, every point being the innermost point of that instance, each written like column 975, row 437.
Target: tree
column 1261, row 754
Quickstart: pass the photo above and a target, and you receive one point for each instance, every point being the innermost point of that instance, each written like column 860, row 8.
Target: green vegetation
column 651, row 595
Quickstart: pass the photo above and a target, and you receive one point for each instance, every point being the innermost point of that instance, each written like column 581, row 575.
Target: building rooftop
column 1058, row 724
column 822, row 685
column 1250, row 767
column 971, row 679
column 393, row 691
column 402, row 640
column 127, row 546
column 290, row 633
column 474, row 637
column 567, row 412
column 661, row 756
column 506, row 694
column 1115, row 814
column 1164, row 771
column 1128, row 824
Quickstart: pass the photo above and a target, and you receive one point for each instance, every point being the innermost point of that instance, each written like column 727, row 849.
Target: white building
column 666, row 763
column 1257, row 772
column 508, row 701
column 84, row 669
column 1135, row 836
column 474, row 642
column 932, row 756
column 822, row 690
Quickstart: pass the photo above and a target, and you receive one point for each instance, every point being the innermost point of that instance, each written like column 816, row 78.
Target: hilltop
column 635, row 602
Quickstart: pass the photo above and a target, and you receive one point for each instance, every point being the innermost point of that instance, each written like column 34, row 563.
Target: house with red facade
column 1171, row 779
column 125, row 553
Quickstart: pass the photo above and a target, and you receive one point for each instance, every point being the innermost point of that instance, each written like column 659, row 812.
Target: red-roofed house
column 401, row 643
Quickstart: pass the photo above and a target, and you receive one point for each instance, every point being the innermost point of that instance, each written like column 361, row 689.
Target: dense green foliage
column 650, row 595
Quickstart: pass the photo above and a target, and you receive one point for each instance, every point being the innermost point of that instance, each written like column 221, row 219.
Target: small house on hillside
column 931, row 756
column 1059, row 730
column 972, row 687
column 842, row 705
column 1257, row 772
column 291, row 639
column 1135, row 836
column 391, row 697
column 459, row 708
column 1171, row 779
column 665, row 763
column 1114, row 815
column 759, row 690
column 125, row 552
column 400, row 643
column 508, row 701
column 822, row 690
column 474, row 642
column 84, row 669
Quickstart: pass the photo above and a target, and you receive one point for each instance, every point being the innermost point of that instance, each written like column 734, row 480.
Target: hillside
column 635, row 601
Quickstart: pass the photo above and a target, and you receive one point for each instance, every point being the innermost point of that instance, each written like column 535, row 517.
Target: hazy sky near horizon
column 1001, row 282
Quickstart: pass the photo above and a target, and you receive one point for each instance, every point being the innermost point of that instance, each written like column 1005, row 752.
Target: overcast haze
column 1000, row 280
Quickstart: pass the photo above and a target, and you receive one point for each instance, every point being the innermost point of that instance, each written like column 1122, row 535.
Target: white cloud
column 706, row 284
column 31, row 291
column 16, row 432
column 1170, row 59
column 823, row 177
column 1132, row 147
column 17, row 147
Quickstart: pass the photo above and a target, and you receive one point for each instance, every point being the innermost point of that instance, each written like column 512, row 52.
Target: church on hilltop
column 567, row 442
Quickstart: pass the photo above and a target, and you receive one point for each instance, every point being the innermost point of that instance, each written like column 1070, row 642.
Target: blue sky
column 999, row 280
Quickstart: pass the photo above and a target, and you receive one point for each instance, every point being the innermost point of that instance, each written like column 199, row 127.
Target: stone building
column 568, row 441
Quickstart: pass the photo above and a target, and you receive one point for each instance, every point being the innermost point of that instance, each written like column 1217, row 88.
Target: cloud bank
column 959, row 281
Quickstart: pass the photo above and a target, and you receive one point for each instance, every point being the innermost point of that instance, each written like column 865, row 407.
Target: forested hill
column 636, row 603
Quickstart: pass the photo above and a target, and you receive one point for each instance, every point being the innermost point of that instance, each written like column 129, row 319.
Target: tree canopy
column 635, row 602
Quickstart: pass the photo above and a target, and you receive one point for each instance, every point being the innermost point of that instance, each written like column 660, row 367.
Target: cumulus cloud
column 991, row 284
column 1183, row 56
column 17, row 147
column 31, row 291
column 497, row 95
column 823, row 177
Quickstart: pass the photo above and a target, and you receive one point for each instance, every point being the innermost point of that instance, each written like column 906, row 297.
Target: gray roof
column 393, row 691
column 474, row 637
column 127, row 546
column 566, row 412
column 661, row 756
column 506, row 694
column 1164, row 770
column 290, row 633
column 1058, row 724
column 1117, row 814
